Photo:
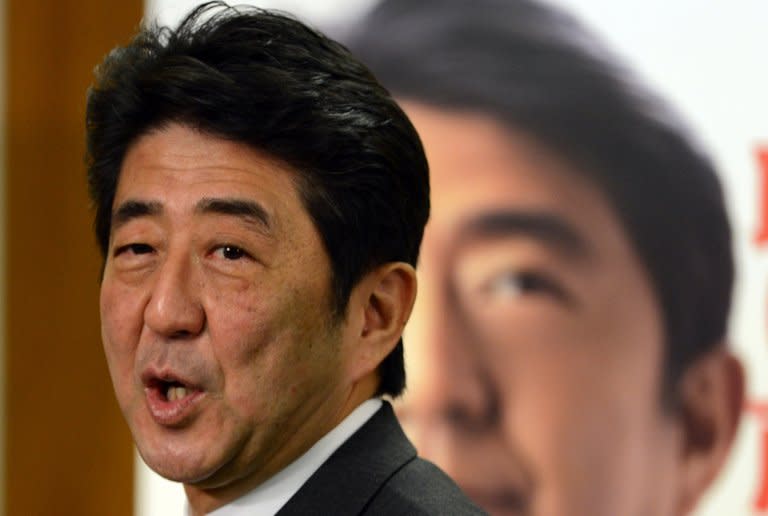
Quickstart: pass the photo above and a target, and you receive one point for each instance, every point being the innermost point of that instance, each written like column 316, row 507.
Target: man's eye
column 136, row 248
column 231, row 252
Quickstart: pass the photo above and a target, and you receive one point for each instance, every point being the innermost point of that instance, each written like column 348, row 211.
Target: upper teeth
column 176, row 393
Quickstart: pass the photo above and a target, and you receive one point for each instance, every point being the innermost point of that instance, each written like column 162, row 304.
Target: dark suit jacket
column 377, row 472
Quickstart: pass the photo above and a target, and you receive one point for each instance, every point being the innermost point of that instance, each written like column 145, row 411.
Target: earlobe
column 711, row 397
column 387, row 296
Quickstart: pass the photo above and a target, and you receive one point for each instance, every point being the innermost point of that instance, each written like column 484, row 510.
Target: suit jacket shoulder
column 376, row 472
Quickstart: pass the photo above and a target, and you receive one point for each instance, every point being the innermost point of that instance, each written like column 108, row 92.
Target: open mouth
column 170, row 400
column 170, row 389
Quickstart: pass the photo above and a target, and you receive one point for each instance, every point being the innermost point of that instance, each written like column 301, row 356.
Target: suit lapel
column 350, row 478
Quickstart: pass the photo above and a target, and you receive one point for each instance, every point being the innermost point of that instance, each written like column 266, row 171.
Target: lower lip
column 171, row 413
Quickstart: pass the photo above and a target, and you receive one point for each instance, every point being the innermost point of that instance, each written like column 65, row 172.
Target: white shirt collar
column 271, row 495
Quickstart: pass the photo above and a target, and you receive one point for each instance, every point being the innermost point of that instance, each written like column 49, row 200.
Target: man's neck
column 204, row 499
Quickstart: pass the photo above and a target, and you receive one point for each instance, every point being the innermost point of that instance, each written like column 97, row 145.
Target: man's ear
column 711, row 398
column 380, row 305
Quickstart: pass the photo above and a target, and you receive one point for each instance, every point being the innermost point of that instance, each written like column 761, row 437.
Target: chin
column 178, row 468
column 173, row 459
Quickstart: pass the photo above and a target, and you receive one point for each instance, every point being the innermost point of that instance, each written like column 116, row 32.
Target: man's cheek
column 120, row 334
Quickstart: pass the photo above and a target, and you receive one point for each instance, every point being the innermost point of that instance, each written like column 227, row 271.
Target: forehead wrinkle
column 546, row 228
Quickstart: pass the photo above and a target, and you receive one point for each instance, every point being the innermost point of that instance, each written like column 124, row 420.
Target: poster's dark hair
column 539, row 71
column 264, row 79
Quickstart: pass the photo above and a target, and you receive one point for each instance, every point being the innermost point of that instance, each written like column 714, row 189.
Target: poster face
column 708, row 59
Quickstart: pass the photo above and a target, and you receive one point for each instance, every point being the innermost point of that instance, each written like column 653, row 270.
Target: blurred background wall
column 65, row 448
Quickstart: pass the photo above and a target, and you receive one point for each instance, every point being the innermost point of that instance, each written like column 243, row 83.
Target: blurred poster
column 708, row 60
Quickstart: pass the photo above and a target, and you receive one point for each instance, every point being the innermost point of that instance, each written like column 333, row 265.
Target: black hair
column 539, row 71
column 264, row 79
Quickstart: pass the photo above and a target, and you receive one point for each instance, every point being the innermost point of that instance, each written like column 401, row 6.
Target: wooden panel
column 68, row 450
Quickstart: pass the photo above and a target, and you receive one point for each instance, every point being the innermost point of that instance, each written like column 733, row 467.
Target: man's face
column 216, row 314
column 535, row 347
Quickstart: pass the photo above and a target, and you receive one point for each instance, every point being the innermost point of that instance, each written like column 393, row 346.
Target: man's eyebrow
column 546, row 227
column 132, row 209
column 250, row 211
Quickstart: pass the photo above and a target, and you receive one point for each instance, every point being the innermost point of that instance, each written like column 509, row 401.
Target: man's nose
column 449, row 386
column 174, row 309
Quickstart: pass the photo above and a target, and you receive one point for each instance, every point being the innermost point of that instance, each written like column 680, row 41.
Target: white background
column 708, row 58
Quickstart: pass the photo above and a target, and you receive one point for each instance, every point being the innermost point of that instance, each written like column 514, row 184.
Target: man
column 575, row 278
column 260, row 202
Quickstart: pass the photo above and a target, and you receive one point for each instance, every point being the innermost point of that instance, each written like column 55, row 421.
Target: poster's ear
column 711, row 398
